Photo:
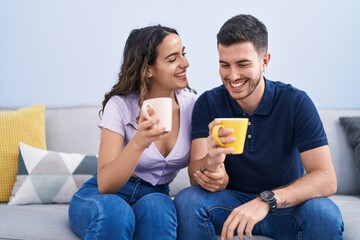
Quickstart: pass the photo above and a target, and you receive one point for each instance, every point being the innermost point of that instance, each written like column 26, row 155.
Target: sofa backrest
column 75, row 130
column 71, row 129
column 341, row 150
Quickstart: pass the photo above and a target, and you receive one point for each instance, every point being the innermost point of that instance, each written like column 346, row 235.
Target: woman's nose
column 184, row 62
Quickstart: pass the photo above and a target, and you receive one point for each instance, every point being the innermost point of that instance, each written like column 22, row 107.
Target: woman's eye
column 172, row 60
column 184, row 53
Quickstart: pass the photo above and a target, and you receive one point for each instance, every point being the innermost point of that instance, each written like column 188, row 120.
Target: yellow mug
column 239, row 125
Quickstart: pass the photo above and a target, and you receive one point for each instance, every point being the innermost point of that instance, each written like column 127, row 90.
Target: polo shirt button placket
column 249, row 143
column 249, row 124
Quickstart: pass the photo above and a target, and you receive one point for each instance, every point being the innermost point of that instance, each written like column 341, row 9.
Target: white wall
column 65, row 52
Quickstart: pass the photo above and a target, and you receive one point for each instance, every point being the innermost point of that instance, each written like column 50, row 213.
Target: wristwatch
column 269, row 197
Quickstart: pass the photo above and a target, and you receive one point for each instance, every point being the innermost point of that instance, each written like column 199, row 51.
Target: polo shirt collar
column 265, row 105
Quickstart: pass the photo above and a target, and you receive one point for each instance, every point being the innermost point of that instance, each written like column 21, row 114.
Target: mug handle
column 215, row 135
column 144, row 110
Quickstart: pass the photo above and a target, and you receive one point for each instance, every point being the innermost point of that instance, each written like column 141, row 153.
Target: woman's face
column 169, row 71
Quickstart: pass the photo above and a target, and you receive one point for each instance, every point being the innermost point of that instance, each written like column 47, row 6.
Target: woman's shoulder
column 121, row 103
column 127, row 99
column 122, row 107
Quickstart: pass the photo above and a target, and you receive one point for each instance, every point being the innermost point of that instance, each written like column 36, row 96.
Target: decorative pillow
column 352, row 127
column 50, row 177
column 27, row 125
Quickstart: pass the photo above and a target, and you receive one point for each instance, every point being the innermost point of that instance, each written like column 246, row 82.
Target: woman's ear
column 149, row 73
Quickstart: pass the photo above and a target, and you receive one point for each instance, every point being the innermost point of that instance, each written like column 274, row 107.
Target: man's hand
column 244, row 218
column 212, row 181
column 216, row 154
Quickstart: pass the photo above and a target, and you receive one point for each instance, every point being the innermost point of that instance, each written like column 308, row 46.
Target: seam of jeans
column 208, row 213
column 89, row 200
column 301, row 224
column 209, row 209
column 137, row 183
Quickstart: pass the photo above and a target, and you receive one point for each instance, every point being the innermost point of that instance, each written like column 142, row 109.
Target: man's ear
column 265, row 61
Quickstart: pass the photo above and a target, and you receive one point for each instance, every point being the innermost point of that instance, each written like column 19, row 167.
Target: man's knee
column 325, row 213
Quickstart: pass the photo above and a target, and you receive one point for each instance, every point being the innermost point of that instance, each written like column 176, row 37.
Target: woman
column 128, row 198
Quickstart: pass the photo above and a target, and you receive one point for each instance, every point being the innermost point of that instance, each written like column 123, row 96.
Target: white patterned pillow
column 50, row 177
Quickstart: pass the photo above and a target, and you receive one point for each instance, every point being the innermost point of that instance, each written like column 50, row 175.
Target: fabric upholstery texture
column 74, row 129
column 50, row 177
column 23, row 125
column 352, row 127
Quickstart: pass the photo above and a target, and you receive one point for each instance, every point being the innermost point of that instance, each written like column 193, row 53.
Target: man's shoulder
column 216, row 91
column 284, row 86
column 286, row 89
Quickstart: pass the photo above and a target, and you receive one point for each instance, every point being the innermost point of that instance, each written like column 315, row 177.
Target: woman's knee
column 102, row 216
column 155, row 215
column 156, row 210
column 155, row 202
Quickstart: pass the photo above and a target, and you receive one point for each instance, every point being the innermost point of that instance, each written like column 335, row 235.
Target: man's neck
column 251, row 103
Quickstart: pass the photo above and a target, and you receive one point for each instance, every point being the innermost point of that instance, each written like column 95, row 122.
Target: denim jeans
column 201, row 215
column 138, row 211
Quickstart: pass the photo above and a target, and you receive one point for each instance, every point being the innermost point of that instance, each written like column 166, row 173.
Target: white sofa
column 74, row 130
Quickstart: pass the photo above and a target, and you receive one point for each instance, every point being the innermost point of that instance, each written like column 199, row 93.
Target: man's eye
column 243, row 65
column 184, row 53
column 172, row 60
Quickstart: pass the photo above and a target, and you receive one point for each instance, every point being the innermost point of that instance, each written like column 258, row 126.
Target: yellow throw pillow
column 23, row 125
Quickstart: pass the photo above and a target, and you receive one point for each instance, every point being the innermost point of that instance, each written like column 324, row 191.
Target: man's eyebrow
column 238, row 62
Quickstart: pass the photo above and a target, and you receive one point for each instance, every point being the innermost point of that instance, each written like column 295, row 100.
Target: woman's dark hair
column 140, row 51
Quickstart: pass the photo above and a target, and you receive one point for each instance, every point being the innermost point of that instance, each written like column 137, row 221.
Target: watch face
column 267, row 195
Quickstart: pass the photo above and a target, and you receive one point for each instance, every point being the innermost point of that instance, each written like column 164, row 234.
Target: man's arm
column 206, row 167
column 319, row 180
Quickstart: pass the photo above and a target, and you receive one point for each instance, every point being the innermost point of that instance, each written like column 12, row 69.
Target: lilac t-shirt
column 120, row 115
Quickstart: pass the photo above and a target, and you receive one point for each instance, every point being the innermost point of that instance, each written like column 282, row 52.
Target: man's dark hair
column 244, row 28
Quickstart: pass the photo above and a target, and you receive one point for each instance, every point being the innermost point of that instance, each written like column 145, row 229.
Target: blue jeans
column 138, row 211
column 201, row 215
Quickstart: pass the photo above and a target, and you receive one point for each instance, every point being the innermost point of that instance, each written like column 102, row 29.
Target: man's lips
column 237, row 85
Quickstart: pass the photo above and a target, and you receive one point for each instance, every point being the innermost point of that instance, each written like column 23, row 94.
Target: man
column 279, row 186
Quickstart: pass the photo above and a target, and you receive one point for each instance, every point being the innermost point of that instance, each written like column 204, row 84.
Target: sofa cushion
column 50, row 177
column 27, row 125
column 350, row 210
column 37, row 221
column 352, row 127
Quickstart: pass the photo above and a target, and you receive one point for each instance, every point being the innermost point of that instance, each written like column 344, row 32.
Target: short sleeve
column 309, row 130
column 113, row 116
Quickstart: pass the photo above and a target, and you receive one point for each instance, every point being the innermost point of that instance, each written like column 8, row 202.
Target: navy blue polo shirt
column 285, row 124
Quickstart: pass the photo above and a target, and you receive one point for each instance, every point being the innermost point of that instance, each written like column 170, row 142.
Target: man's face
column 241, row 69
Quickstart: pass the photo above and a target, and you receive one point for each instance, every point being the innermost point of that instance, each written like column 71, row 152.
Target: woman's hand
column 148, row 130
